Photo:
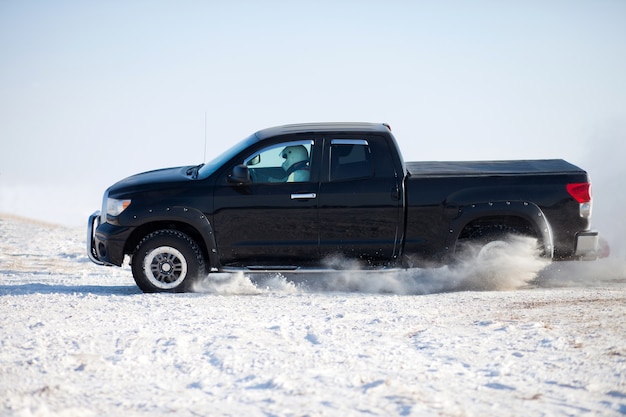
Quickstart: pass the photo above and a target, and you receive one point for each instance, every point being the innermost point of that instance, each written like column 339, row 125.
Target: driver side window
column 283, row 162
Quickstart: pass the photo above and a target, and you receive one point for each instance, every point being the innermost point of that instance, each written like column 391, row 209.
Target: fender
column 526, row 210
column 191, row 217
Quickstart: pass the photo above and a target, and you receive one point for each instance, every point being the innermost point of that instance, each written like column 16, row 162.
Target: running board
column 300, row 270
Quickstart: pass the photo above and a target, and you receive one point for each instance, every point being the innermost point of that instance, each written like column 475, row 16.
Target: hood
column 147, row 181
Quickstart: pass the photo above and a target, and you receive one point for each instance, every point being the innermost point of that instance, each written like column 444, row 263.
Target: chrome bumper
column 92, row 224
column 587, row 245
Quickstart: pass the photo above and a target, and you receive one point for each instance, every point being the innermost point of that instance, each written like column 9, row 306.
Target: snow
column 509, row 336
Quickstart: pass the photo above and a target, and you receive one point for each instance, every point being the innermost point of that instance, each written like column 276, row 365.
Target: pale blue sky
column 93, row 91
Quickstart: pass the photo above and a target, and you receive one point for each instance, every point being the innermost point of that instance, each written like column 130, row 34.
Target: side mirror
column 240, row 175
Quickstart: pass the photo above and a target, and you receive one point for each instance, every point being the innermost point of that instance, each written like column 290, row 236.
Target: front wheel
column 167, row 261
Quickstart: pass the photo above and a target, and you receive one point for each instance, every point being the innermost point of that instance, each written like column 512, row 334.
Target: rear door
column 360, row 200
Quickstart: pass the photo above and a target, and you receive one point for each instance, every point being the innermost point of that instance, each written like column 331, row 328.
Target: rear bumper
column 587, row 245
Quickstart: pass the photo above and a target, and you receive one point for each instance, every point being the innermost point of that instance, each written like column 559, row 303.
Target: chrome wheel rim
column 165, row 267
column 493, row 249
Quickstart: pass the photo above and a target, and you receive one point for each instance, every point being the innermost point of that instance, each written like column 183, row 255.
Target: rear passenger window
column 350, row 159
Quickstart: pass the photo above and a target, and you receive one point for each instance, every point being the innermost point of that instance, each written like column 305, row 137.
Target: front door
column 271, row 221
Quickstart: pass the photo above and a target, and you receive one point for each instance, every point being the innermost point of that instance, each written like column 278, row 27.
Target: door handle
column 305, row 196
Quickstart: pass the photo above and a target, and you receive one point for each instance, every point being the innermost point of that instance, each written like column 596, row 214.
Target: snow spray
column 494, row 268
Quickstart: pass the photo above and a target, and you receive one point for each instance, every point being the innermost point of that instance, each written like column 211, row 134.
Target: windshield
column 210, row 167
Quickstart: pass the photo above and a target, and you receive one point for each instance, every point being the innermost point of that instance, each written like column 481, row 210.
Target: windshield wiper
column 193, row 171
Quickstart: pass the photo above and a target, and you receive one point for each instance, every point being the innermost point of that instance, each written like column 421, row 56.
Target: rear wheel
column 493, row 248
column 479, row 242
column 167, row 261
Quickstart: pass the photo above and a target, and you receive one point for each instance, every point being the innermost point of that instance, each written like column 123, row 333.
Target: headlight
column 115, row 207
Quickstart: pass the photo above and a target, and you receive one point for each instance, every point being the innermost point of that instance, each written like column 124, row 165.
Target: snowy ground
column 81, row 340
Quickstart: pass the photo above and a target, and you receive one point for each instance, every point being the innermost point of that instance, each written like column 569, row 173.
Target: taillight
column 581, row 191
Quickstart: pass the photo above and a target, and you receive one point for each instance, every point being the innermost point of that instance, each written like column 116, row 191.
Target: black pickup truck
column 288, row 198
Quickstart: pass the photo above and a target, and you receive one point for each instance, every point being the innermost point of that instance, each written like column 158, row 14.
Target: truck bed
column 491, row 168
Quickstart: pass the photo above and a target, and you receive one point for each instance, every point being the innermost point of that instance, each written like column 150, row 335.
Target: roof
column 344, row 127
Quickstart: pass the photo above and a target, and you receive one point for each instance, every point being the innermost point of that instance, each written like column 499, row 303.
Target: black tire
column 167, row 261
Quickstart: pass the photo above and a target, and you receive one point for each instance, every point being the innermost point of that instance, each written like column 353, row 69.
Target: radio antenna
column 204, row 159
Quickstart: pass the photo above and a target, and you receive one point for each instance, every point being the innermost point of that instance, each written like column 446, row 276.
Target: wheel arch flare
column 524, row 217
